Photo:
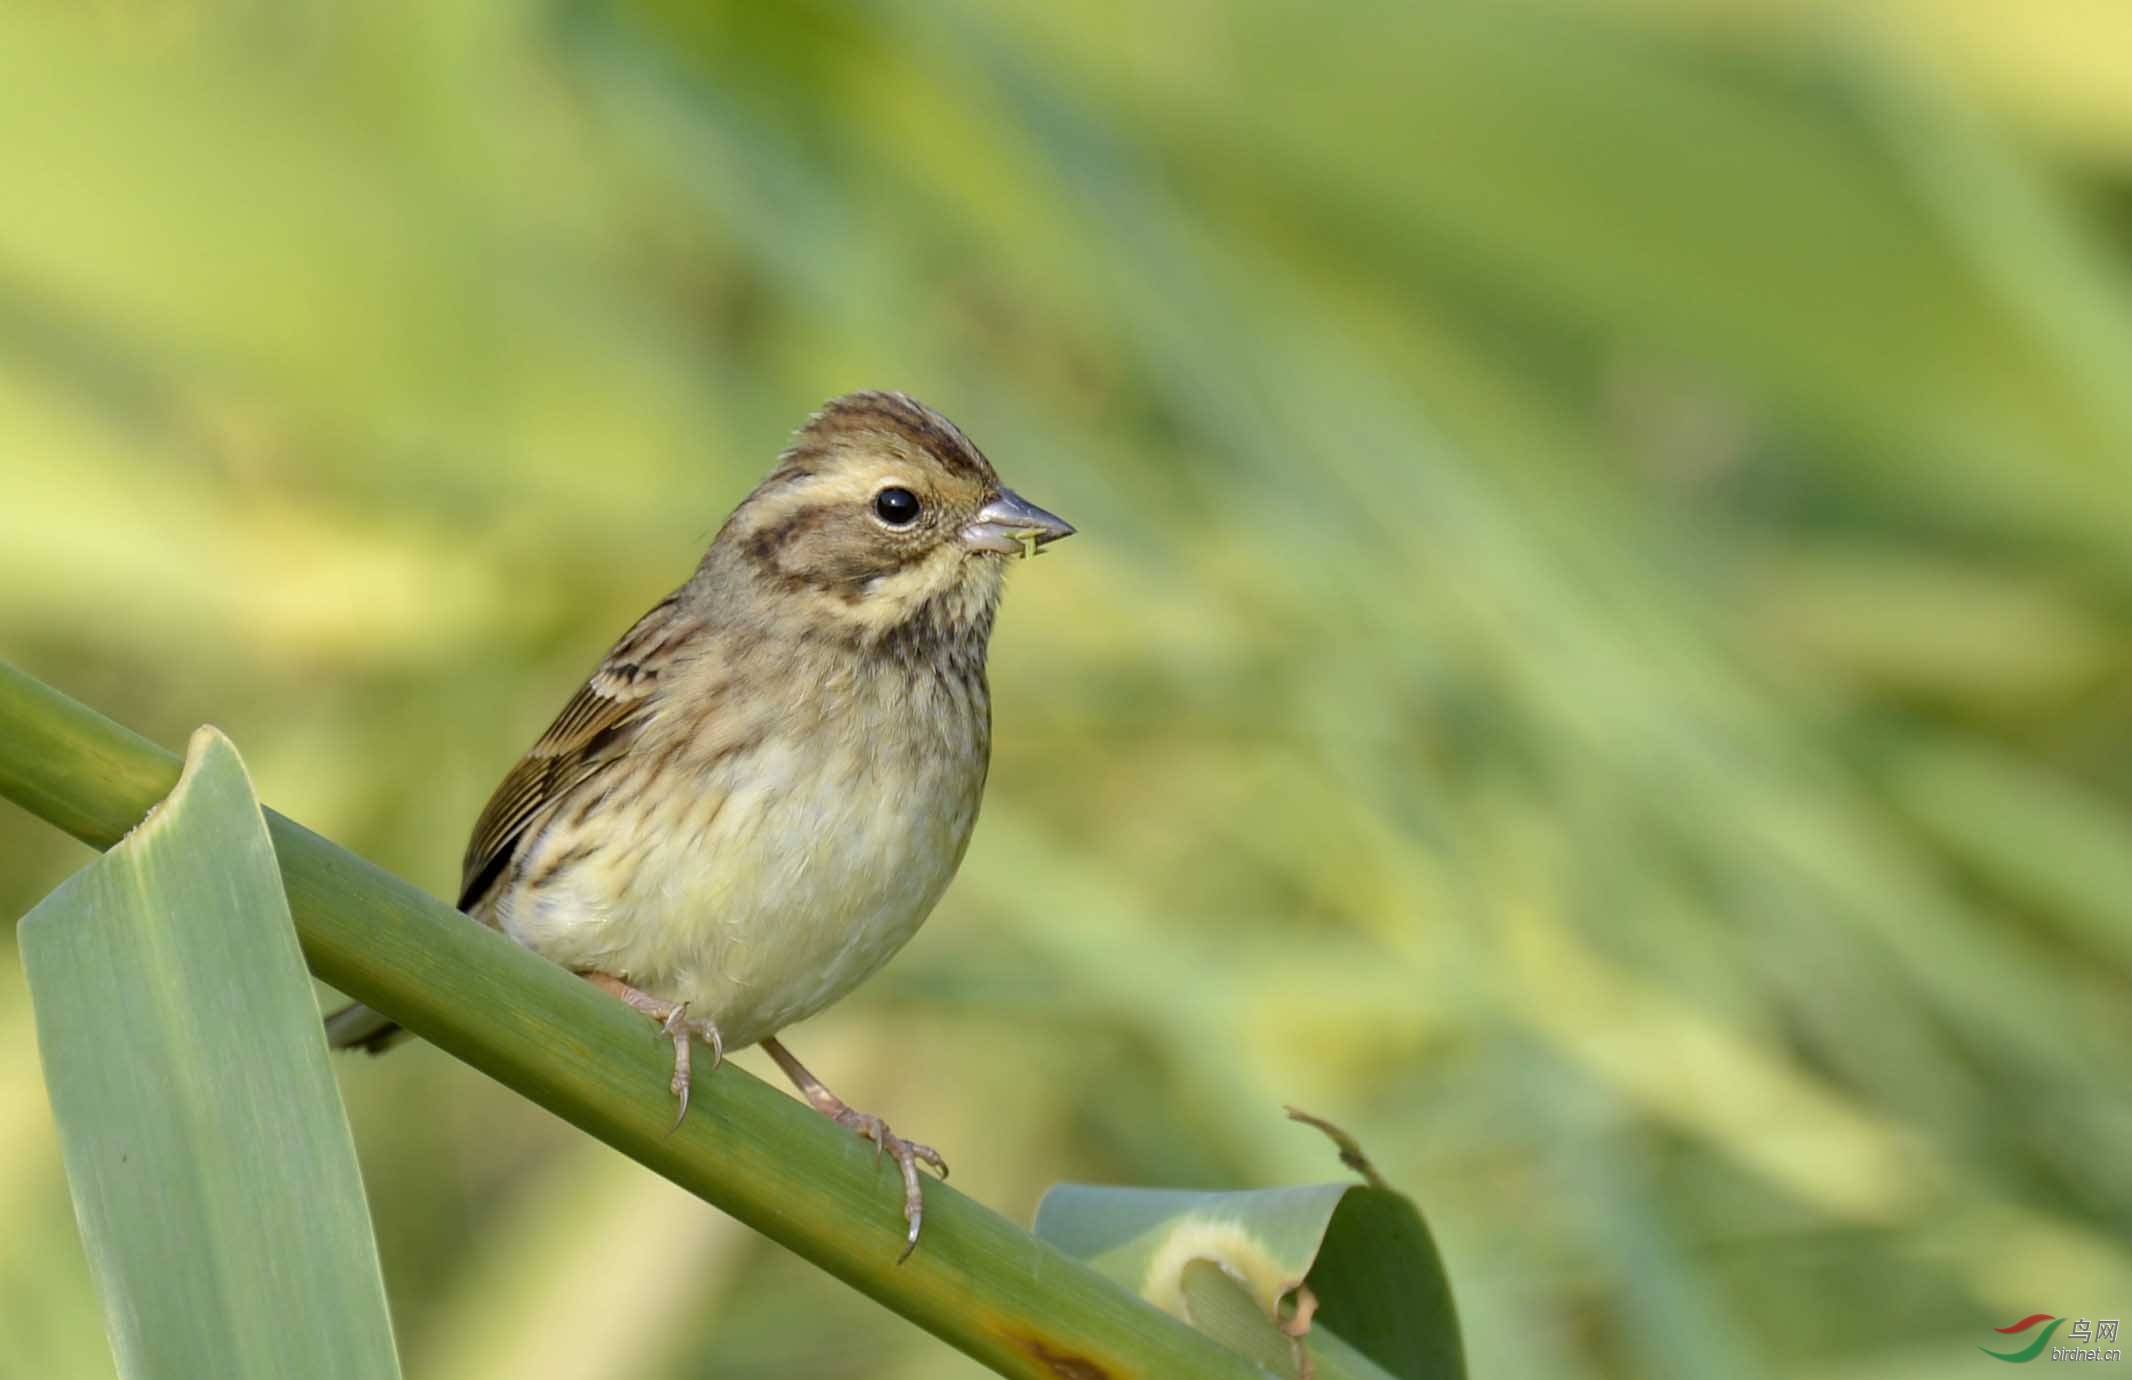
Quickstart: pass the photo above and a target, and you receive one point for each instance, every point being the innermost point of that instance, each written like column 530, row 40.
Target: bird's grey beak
column 1009, row 520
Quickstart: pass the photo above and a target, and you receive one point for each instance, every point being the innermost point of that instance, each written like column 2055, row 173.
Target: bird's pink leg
column 674, row 1022
column 906, row 1153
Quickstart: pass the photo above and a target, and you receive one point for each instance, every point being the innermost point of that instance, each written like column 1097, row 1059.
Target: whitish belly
column 785, row 884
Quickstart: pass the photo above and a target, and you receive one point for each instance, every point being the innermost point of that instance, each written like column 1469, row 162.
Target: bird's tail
column 356, row 1026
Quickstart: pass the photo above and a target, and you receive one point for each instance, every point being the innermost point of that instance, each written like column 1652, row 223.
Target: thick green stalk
column 977, row 1281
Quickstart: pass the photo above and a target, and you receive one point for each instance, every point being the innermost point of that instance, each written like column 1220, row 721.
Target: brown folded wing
column 594, row 730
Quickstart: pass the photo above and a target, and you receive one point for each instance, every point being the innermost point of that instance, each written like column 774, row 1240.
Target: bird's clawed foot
column 677, row 1026
column 906, row 1153
column 674, row 1023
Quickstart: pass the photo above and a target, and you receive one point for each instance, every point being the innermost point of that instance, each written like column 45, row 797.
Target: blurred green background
column 1597, row 655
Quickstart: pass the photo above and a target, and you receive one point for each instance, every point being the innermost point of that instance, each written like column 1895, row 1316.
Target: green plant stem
column 977, row 1281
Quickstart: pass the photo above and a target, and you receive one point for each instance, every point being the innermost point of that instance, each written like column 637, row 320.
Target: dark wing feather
column 594, row 730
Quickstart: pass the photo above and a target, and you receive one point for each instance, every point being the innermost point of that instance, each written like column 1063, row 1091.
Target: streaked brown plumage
column 767, row 783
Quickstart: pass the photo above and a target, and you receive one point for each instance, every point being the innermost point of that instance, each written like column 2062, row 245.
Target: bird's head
column 882, row 516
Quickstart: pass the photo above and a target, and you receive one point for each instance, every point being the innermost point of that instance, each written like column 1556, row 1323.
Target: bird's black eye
column 896, row 507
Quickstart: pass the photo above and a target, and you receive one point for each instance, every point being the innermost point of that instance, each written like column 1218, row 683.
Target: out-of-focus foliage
column 1596, row 659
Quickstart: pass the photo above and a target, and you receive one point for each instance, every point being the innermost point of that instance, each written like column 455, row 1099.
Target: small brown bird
column 767, row 784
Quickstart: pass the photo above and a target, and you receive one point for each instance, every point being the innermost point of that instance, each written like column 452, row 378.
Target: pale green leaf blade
column 212, row 1170
column 1223, row 1308
column 1361, row 1255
